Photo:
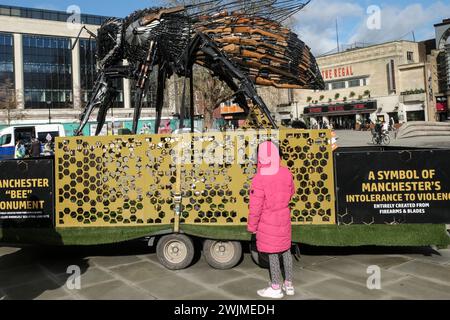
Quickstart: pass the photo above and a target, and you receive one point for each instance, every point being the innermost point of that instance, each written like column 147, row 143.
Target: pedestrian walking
column 19, row 152
column 48, row 150
column 270, row 218
column 35, row 148
column 385, row 126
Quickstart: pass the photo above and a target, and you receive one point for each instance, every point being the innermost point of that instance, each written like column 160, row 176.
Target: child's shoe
column 288, row 288
column 271, row 293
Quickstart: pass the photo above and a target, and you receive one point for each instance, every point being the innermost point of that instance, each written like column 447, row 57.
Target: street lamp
column 49, row 114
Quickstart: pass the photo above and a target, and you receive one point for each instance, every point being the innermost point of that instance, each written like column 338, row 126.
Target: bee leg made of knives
column 228, row 70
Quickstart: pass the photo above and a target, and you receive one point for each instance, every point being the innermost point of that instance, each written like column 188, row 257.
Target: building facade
column 51, row 73
column 384, row 82
column 438, row 71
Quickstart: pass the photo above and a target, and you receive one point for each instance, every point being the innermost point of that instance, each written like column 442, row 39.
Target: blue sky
column 315, row 24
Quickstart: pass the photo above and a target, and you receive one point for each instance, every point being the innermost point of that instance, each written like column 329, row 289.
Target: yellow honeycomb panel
column 111, row 181
column 218, row 193
column 131, row 180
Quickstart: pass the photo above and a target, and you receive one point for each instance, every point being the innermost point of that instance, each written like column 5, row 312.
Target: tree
column 367, row 93
column 321, row 97
column 212, row 92
column 8, row 100
column 336, row 96
column 309, row 99
column 210, row 89
column 352, row 94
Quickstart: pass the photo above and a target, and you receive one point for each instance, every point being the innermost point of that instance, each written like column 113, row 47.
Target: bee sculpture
column 242, row 42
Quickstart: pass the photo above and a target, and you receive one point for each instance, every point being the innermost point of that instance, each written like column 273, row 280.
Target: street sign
column 26, row 192
column 390, row 187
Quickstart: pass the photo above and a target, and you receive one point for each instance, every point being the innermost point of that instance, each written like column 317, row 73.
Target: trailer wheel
column 261, row 259
column 175, row 251
column 222, row 255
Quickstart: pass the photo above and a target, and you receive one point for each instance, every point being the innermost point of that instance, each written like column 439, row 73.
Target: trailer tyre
column 175, row 251
column 222, row 255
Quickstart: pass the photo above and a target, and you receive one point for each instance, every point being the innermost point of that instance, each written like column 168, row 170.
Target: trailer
column 170, row 189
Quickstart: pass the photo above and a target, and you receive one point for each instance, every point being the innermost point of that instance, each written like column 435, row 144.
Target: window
column 354, row 83
column 47, row 72
column 46, row 14
column 5, row 139
column 415, row 116
column 42, row 136
column 338, row 85
column 7, row 60
column 410, row 56
column 88, row 72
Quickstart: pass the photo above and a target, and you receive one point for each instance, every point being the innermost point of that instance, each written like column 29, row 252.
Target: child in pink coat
column 270, row 217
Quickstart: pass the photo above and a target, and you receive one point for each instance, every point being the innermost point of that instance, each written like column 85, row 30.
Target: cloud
column 316, row 23
column 399, row 22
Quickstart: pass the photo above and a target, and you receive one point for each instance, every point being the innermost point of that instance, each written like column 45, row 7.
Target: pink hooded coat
column 271, row 191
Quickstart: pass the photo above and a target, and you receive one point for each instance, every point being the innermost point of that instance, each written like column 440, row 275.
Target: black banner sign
column 26, row 192
column 348, row 107
column 388, row 187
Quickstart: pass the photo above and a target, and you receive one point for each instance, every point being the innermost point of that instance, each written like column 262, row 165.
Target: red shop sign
column 441, row 106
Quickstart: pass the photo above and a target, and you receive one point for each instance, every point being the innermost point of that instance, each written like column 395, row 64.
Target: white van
column 9, row 136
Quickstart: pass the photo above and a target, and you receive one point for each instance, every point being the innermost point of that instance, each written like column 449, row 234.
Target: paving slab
column 171, row 287
column 211, row 277
column 431, row 271
column 208, row 295
column 7, row 250
column 114, row 290
column 18, row 257
column 415, row 288
column 304, row 276
column 89, row 277
column 58, row 266
column 383, row 261
column 140, row 271
column 350, row 270
column 441, row 257
column 339, row 289
column 259, row 273
column 113, row 261
column 21, row 275
column 245, row 288
column 46, row 289
column 310, row 260
column 247, row 264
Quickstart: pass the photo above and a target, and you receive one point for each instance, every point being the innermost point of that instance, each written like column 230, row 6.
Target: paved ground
column 364, row 138
column 131, row 271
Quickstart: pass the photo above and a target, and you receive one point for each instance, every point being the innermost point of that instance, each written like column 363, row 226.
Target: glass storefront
column 7, row 60
column 344, row 122
column 415, row 116
column 88, row 72
column 47, row 72
column 149, row 100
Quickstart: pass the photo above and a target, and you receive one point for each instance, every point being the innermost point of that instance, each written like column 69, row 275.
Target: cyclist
column 378, row 130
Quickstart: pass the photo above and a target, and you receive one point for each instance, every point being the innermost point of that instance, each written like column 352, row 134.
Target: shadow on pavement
column 31, row 272
column 366, row 250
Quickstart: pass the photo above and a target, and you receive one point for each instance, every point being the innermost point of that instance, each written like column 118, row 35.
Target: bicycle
column 383, row 139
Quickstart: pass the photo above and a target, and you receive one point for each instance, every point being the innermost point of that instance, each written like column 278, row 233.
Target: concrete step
column 423, row 129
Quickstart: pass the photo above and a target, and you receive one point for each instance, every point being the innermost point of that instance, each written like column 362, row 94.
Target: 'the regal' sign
column 336, row 73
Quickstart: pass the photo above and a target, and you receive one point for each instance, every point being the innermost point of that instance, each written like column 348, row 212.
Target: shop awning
column 341, row 109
